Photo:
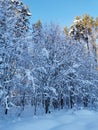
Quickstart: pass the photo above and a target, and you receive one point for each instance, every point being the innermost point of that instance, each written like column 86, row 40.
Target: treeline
column 45, row 66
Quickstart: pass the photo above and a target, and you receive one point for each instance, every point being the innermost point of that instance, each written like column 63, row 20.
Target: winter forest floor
column 61, row 120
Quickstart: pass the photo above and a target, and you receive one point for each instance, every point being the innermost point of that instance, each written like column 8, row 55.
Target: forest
column 46, row 67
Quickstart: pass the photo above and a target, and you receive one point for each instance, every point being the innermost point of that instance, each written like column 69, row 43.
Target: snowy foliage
column 13, row 48
column 43, row 69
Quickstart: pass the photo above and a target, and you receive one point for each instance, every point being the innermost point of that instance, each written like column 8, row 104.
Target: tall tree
column 13, row 30
column 84, row 29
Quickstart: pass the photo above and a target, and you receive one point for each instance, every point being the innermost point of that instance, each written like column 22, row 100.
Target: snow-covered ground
column 80, row 120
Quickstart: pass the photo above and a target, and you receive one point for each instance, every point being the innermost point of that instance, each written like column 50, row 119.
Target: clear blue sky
column 61, row 11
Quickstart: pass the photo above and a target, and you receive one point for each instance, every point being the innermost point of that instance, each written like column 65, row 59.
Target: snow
column 62, row 120
column 70, row 31
column 77, row 21
column 29, row 14
column 1, row 59
column 1, row 93
column 12, row 1
column 45, row 52
column 6, row 102
column 53, row 90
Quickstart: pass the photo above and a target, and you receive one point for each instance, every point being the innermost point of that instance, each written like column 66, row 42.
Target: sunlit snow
column 62, row 120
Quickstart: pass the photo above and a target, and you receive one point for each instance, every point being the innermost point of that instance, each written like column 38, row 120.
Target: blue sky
column 61, row 11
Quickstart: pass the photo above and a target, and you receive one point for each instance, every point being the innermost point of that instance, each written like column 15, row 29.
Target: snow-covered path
column 81, row 120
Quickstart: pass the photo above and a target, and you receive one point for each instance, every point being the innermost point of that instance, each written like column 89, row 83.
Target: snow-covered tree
column 13, row 46
column 44, row 68
column 84, row 30
column 60, row 69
